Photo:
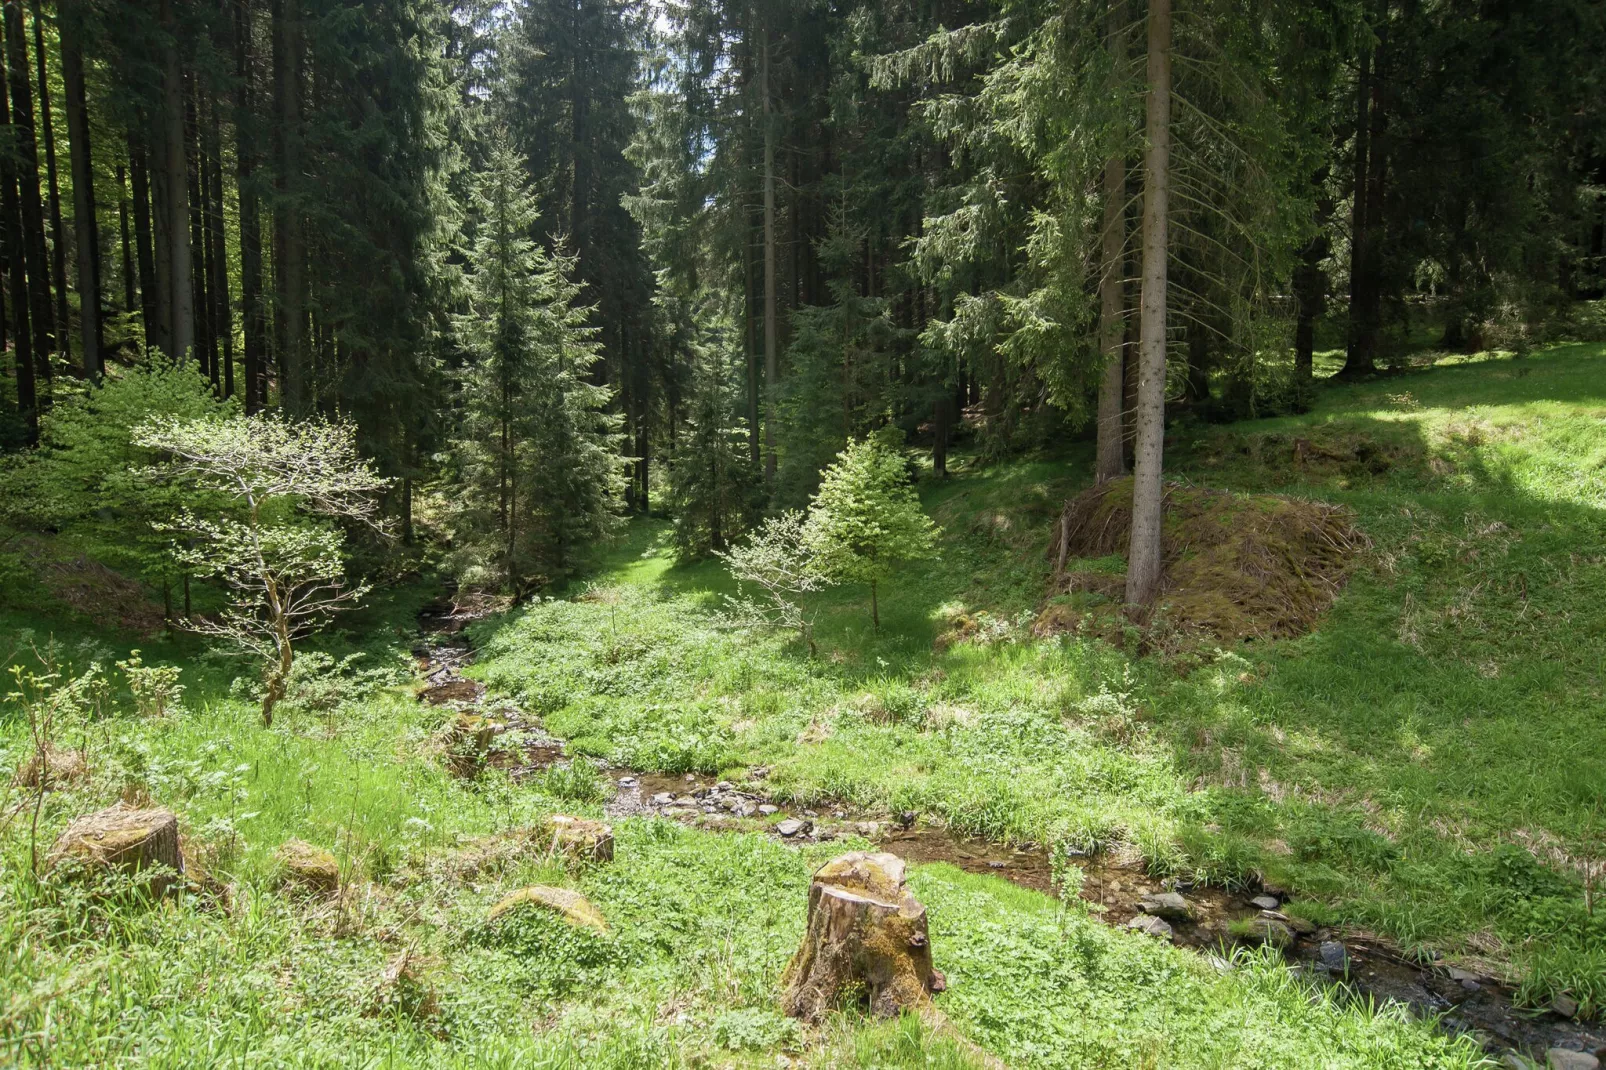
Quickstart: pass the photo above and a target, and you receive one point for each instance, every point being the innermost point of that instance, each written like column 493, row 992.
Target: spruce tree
column 539, row 474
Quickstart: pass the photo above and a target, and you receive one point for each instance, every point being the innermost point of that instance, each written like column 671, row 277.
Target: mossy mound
column 1237, row 566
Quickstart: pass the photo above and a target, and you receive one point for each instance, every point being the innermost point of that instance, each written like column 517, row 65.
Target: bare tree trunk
column 35, row 255
column 175, row 191
column 86, row 229
column 750, row 339
column 1361, row 356
column 17, row 276
column 771, row 326
column 127, row 247
column 200, row 267
column 222, row 313
column 253, row 316
column 1111, row 460
column 1143, row 555
column 150, row 287
column 289, row 311
column 58, row 233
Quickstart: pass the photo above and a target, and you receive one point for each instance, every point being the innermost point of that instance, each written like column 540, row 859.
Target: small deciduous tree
column 273, row 547
column 778, row 560
column 867, row 518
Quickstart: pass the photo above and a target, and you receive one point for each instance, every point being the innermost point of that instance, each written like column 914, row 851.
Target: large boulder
column 123, row 838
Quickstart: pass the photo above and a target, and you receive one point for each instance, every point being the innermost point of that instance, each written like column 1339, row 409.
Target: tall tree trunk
column 153, row 311
column 1310, row 290
column 289, row 310
column 772, row 371
column 174, row 188
column 222, row 311
column 1111, row 458
column 58, row 236
column 750, row 339
column 123, row 233
column 86, row 228
column 17, row 276
column 36, row 256
column 1148, row 490
column 200, row 265
column 1361, row 356
column 253, row 316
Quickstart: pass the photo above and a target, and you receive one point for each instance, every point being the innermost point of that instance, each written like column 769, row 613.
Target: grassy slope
column 1393, row 757
column 1407, row 767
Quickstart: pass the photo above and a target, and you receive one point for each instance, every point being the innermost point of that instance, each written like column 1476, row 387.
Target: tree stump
column 467, row 739
column 307, row 868
column 126, row 839
column 580, row 839
column 866, row 939
column 51, row 767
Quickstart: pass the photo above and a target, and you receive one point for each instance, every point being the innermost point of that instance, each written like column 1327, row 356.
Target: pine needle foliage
column 538, row 473
column 866, row 519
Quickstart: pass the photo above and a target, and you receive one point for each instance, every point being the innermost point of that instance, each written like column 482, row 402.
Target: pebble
column 1562, row 1059
column 686, row 800
column 1151, row 926
column 1471, row 985
column 791, row 826
column 1455, row 973
column 1565, row 1006
column 767, row 809
column 663, row 798
column 627, row 782
column 723, row 785
column 1264, row 902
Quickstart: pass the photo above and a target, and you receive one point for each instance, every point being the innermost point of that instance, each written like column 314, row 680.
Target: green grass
column 1427, row 763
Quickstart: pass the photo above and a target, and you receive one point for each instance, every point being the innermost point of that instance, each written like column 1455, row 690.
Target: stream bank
column 1117, row 890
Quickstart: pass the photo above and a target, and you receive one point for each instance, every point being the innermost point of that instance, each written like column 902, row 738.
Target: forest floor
column 1418, row 781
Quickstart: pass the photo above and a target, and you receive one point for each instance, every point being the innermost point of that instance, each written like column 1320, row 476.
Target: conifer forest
column 636, row 534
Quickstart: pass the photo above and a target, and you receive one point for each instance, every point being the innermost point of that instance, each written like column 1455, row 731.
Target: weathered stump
column 125, row 839
column 580, row 839
column 51, row 767
column 866, row 939
column 467, row 739
column 307, row 868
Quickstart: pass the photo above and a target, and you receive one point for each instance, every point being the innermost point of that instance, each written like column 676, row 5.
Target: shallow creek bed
column 1118, row 890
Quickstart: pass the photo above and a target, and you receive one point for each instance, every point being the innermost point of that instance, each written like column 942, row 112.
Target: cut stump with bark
column 866, row 941
column 127, row 839
column 580, row 839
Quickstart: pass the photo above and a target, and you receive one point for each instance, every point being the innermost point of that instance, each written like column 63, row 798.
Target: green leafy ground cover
column 1427, row 763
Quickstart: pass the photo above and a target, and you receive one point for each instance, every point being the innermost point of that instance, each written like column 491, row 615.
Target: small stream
column 1210, row 919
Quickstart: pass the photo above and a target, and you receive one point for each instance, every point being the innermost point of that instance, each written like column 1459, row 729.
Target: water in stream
column 1215, row 918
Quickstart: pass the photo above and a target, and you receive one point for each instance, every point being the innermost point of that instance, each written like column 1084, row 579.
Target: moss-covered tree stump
column 467, row 740
column 866, row 940
column 304, row 867
column 123, row 838
column 580, row 839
